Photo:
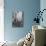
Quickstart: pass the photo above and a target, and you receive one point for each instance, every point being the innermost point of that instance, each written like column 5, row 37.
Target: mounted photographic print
column 18, row 19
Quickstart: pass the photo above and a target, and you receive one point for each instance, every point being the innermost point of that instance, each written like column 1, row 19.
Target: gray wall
column 30, row 7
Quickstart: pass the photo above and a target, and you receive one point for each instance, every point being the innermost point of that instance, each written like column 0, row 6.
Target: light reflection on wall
column 1, row 21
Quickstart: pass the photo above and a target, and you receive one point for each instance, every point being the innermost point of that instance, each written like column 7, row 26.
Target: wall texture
column 29, row 7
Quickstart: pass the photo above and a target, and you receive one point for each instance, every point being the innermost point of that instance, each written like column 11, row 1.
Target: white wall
column 1, row 20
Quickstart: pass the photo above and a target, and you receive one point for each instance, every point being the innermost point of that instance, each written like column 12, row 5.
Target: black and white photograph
column 18, row 19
